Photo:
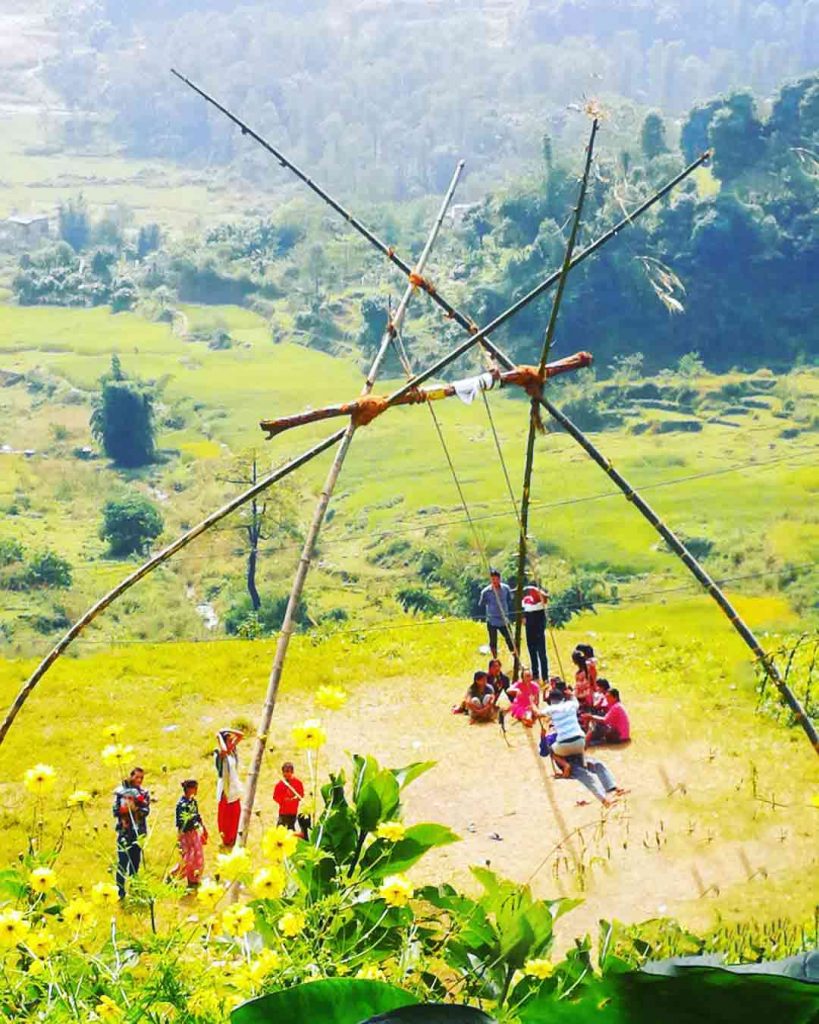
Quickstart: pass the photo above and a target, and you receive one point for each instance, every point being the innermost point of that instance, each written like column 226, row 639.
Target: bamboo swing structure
column 416, row 280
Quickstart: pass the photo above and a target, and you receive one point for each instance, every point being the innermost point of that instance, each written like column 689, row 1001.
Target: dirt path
column 657, row 853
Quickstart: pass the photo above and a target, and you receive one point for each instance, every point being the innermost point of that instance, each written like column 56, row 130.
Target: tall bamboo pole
column 534, row 412
column 476, row 336
column 152, row 563
column 289, row 622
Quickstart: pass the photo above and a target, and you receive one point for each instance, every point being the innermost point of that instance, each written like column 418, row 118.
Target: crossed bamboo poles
column 475, row 336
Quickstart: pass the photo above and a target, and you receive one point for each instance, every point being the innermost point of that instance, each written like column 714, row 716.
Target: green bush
column 242, row 620
column 47, row 569
column 11, row 551
column 129, row 523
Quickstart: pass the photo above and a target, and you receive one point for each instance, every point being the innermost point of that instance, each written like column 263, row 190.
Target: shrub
column 11, row 550
column 47, row 569
column 242, row 620
column 129, row 523
column 419, row 599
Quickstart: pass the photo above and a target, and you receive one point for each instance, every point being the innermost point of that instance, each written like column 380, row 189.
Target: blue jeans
column 595, row 777
column 129, row 857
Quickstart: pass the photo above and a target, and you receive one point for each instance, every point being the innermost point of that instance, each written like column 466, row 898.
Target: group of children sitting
column 589, row 713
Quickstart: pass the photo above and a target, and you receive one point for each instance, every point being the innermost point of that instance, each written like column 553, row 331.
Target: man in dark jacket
column 132, row 805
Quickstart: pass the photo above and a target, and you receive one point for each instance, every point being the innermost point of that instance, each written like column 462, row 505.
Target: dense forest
column 382, row 96
column 726, row 268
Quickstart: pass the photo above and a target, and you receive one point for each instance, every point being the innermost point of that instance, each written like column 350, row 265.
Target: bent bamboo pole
column 148, row 567
column 289, row 622
column 534, row 413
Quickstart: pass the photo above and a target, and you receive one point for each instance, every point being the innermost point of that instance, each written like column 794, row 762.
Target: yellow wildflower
column 42, row 879
column 396, row 890
column 815, row 799
column 39, row 779
column 279, row 842
column 333, row 698
column 268, row 884
column 36, row 967
column 78, row 912
column 79, row 798
column 392, row 831
column 238, row 919
column 370, row 972
column 116, row 753
column 112, row 731
column 292, row 923
column 206, row 1002
column 237, row 976
column 233, row 864
column 13, row 927
column 539, row 968
column 265, row 963
column 107, row 1009
column 104, row 894
column 209, row 893
column 41, row 943
column 309, row 735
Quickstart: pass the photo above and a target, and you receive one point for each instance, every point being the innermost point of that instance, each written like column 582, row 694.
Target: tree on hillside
column 652, row 136
column 129, row 523
column 269, row 520
column 736, row 134
column 73, row 223
column 122, row 420
column 148, row 240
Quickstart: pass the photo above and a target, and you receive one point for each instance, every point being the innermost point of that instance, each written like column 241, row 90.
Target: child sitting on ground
column 525, row 694
column 479, row 701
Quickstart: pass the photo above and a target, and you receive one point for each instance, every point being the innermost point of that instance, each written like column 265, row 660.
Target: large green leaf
column 433, row 1013
column 364, row 770
column 332, row 1001
column 377, row 800
column 694, row 995
column 404, row 776
column 385, row 858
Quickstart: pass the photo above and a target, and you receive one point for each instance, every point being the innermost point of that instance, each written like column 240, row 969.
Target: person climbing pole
column 535, row 602
column 495, row 603
column 229, row 789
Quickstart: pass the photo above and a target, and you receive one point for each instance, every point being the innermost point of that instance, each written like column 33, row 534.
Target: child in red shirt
column 287, row 794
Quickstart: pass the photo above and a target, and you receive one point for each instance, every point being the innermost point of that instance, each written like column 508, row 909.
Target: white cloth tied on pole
column 469, row 388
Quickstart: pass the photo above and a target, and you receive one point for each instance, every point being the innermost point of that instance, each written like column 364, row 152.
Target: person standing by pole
column 495, row 603
column 229, row 789
column 535, row 602
column 288, row 793
column 132, row 805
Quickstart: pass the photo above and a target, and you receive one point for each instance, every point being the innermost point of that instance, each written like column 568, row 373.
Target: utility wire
column 422, row 523
column 637, row 598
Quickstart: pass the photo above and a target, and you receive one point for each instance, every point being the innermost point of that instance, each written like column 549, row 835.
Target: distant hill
column 382, row 95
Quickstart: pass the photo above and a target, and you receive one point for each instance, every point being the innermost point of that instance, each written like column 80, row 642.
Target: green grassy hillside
column 740, row 487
